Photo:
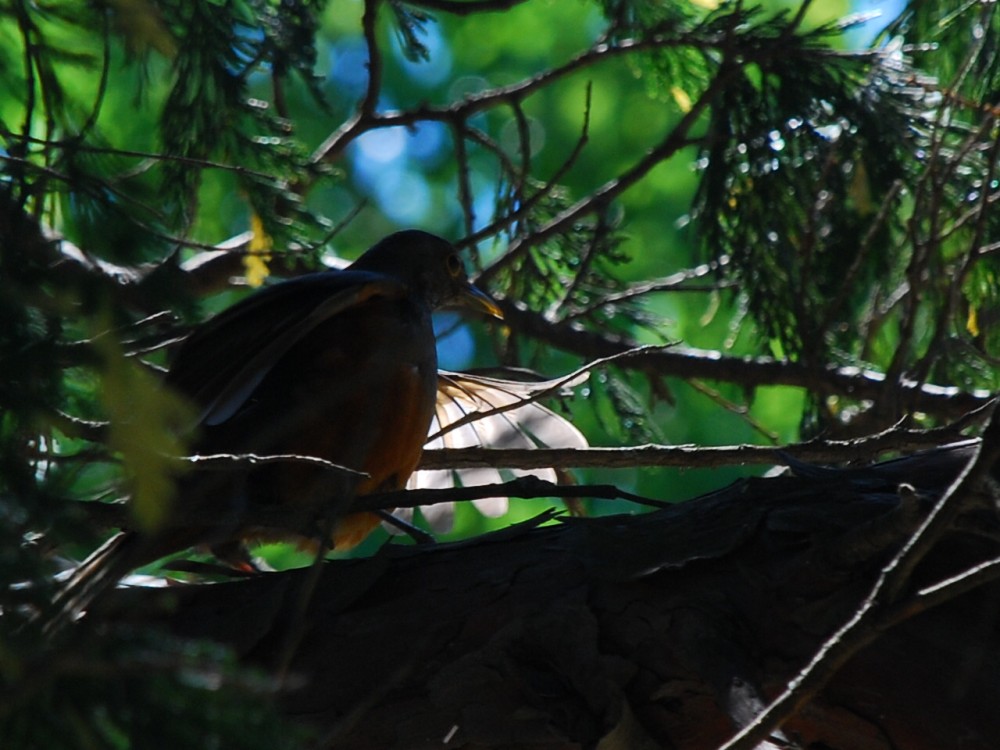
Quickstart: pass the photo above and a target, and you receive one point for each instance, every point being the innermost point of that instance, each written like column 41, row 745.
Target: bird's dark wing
column 222, row 363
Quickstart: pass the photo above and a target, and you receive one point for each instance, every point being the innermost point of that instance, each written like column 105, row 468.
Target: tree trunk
column 670, row 629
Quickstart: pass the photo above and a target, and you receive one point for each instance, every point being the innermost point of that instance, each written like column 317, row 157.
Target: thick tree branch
column 660, row 630
column 870, row 619
column 751, row 372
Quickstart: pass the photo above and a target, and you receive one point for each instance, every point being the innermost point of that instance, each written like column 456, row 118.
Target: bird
column 338, row 365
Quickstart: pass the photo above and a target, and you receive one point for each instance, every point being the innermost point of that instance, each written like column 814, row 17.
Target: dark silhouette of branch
column 466, row 7
column 623, row 627
column 462, row 110
column 368, row 23
column 675, row 139
column 686, row 362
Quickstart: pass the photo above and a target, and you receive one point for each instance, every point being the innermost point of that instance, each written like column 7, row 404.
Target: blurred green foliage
column 842, row 196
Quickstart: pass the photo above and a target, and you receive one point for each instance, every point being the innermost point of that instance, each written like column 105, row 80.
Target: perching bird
column 336, row 365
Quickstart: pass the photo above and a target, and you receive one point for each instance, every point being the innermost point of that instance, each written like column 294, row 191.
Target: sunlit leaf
column 146, row 424
column 255, row 261
column 972, row 322
column 682, row 98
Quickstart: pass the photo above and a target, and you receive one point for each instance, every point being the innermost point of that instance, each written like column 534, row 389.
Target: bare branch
column 330, row 149
column 686, row 362
column 503, row 222
column 675, row 282
column 946, row 590
column 685, row 456
column 368, row 23
column 527, row 487
column 464, row 183
column 675, row 139
column 226, row 462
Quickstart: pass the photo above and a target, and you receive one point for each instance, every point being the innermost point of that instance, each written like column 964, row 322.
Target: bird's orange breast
column 359, row 392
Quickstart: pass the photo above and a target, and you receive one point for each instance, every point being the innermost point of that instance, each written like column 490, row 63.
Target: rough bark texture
column 668, row 629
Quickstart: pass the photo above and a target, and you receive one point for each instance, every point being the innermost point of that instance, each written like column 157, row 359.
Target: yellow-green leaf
column 259, row 253
column 147, row 423
column 681, row 97
column 972, row 322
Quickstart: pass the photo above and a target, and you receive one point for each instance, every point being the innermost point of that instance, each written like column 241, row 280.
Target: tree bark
column 670, row 629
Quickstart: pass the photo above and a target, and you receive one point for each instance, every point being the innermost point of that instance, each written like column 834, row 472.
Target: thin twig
column 675, row 140
column 740, row 410
column 464, row 181
column 226, row 462
column 675, row 282
column 369, row 22
column 944, row 591
column 682, row 456
column 331, row 148
column 504, row 222
column 526, row 487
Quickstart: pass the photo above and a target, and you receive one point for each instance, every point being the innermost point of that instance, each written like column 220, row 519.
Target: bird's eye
column 455, row 267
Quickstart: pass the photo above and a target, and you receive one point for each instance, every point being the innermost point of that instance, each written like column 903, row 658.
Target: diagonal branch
column 676, row 139
column 331, row 148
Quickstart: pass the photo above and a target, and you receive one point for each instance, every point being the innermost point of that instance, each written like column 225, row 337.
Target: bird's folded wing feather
column 220, row 366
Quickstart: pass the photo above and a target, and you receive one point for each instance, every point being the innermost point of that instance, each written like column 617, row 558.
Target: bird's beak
column 476, row 299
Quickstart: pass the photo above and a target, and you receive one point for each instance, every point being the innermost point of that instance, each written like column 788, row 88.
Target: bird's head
column 428, row 265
